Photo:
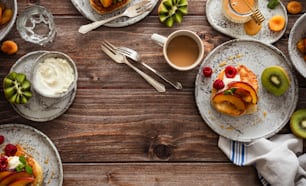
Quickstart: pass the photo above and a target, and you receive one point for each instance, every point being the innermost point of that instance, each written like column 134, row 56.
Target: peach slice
column 5, row 174
column 247, row 87
column 244, row 94
column 13, row 177
column 229, row 104
column 22, row 181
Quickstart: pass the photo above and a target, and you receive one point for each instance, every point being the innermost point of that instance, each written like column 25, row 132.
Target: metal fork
column 119, row 58
column 132, row 54
column 132, row 11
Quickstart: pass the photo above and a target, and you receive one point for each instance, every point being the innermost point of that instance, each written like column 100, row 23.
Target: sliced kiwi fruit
column 172, row 11
column 298, row 123
column 275, row 80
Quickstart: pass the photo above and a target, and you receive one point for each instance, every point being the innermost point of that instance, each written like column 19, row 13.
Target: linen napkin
column 278, row 160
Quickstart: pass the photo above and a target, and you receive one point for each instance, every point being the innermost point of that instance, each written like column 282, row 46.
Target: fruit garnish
column 17, row 89
column 230, row 71
column 273, row 3
column 207, row 71
column 171, row 11
column 229, row 104
column 3, row 163
column 24, row 166
column 10, row 150
column 298, row 123
column 230, row 91
column 218, row 84
column 1, row 139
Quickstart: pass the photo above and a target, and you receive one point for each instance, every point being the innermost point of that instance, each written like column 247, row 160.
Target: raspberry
column 218, row 84
column 10, row 150
column 230, row 71
column 3, row 163
column 207, row 71
column 1, row 139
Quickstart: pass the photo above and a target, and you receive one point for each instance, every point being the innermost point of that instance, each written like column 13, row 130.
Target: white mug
column 181, row 57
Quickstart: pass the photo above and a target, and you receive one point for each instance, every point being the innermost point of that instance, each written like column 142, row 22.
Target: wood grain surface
column 119, row 130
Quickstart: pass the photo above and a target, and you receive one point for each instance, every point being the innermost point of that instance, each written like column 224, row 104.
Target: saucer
column 40, row 108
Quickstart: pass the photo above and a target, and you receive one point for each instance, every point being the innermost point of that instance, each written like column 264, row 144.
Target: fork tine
column 123, row 51
column 107, row 51
column 106, row 46
column 109, row 44
column 144, row 8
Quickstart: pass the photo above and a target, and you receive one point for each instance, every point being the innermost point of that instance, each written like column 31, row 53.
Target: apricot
column 247, row 87
column 6, row 16
column 251, row 27
column 9, row 47
column 277, row 23
column 294, row 7
column 229, row 104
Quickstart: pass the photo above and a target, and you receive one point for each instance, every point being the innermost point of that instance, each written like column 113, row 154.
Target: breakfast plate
column 219, row 22
column 297, row 33
column 39, row 146
column 273, row 112
column 83, row 6
column 39, row 108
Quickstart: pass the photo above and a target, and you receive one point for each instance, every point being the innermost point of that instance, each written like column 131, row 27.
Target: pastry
column 107, row 6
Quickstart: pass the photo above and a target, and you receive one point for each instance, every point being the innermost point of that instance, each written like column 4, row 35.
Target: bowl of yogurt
column 54, row 75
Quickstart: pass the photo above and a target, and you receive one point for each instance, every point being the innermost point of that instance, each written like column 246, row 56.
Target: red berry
column 3, row 163
column 207, row 71
column 1, row 139
column 10, row 150
column 230, row 71
column 218, row 84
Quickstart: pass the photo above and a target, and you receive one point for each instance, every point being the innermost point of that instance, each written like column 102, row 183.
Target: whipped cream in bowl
column 54, row 75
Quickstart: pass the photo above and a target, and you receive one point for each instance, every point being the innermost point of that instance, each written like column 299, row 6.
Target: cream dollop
column 54, row 76
column 13, row 162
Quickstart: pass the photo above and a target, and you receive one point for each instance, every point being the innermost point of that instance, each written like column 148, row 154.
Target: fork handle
column 91, row 26
column 158, row 86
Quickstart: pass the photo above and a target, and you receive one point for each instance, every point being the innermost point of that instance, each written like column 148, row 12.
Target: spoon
column 132, row 54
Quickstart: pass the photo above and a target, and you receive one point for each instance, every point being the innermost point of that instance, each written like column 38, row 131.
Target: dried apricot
column 277, row 23
column 6, row 16
column 294, row 7
column 9, row 47
column 251, row 27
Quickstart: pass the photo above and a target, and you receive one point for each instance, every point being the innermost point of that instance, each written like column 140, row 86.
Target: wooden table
column 119, row 130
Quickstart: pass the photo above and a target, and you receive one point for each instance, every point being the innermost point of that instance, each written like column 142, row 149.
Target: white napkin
column 276, row 159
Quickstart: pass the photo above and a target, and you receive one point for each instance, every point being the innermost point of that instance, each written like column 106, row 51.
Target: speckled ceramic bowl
column 5, row 29
column 51, row 73
column 297, row 33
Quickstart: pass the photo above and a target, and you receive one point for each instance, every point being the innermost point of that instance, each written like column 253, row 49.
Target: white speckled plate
column 39, row 108
column 273, row 112
column 297, row 33
column 83, row 6
column 39, row 146
column 5, row 29
column 217, row 20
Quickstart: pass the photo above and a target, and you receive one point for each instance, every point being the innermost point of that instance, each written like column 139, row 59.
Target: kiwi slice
column 275, row 80
column 172, row 11
column 298, row 123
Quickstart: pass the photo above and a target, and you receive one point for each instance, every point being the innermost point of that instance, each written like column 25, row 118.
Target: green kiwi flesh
column 275, row 80
column 298, row 123
column 172, row 11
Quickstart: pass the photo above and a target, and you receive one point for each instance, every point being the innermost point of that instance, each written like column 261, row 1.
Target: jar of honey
column 238, row 11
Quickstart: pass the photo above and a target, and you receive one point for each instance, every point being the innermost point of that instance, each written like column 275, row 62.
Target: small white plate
column 39, row 146
column 39, row 108
column 217, row 20
column 297, row 33
column 5, row 29
column 273, row 112
column 83, row 6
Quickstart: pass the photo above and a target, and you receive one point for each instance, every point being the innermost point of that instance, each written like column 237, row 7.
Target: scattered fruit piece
column 6, row 16
column 230, row 71
column 275, row 80
column 273, row 3
column 171, row 11
column 277, row 23
column 298, row 123
column 207, row 72
column 17, row 89
column 218, row 84
column 1, row 139
column 251, row 27
column 229, row 104
column 9, row 47
column 10, row 150
column 294, row 7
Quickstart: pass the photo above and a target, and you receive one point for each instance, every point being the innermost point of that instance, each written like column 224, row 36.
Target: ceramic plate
column 297, row 33
column 39, row 146
column 5, row 29
column 83, row 6
column 40, row 108
column 273, row 112
column 217, row 20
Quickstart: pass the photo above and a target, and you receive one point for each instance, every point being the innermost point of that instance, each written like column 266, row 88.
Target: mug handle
column 159, row 39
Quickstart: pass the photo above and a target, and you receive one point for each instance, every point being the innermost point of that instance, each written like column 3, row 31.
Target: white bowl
column 5, row 29
column 51, row 74
column 297, row 33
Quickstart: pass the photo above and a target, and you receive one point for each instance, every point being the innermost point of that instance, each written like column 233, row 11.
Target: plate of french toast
column 245, row 90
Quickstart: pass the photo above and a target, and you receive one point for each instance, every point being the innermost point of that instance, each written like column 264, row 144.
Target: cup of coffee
column 182, row 49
